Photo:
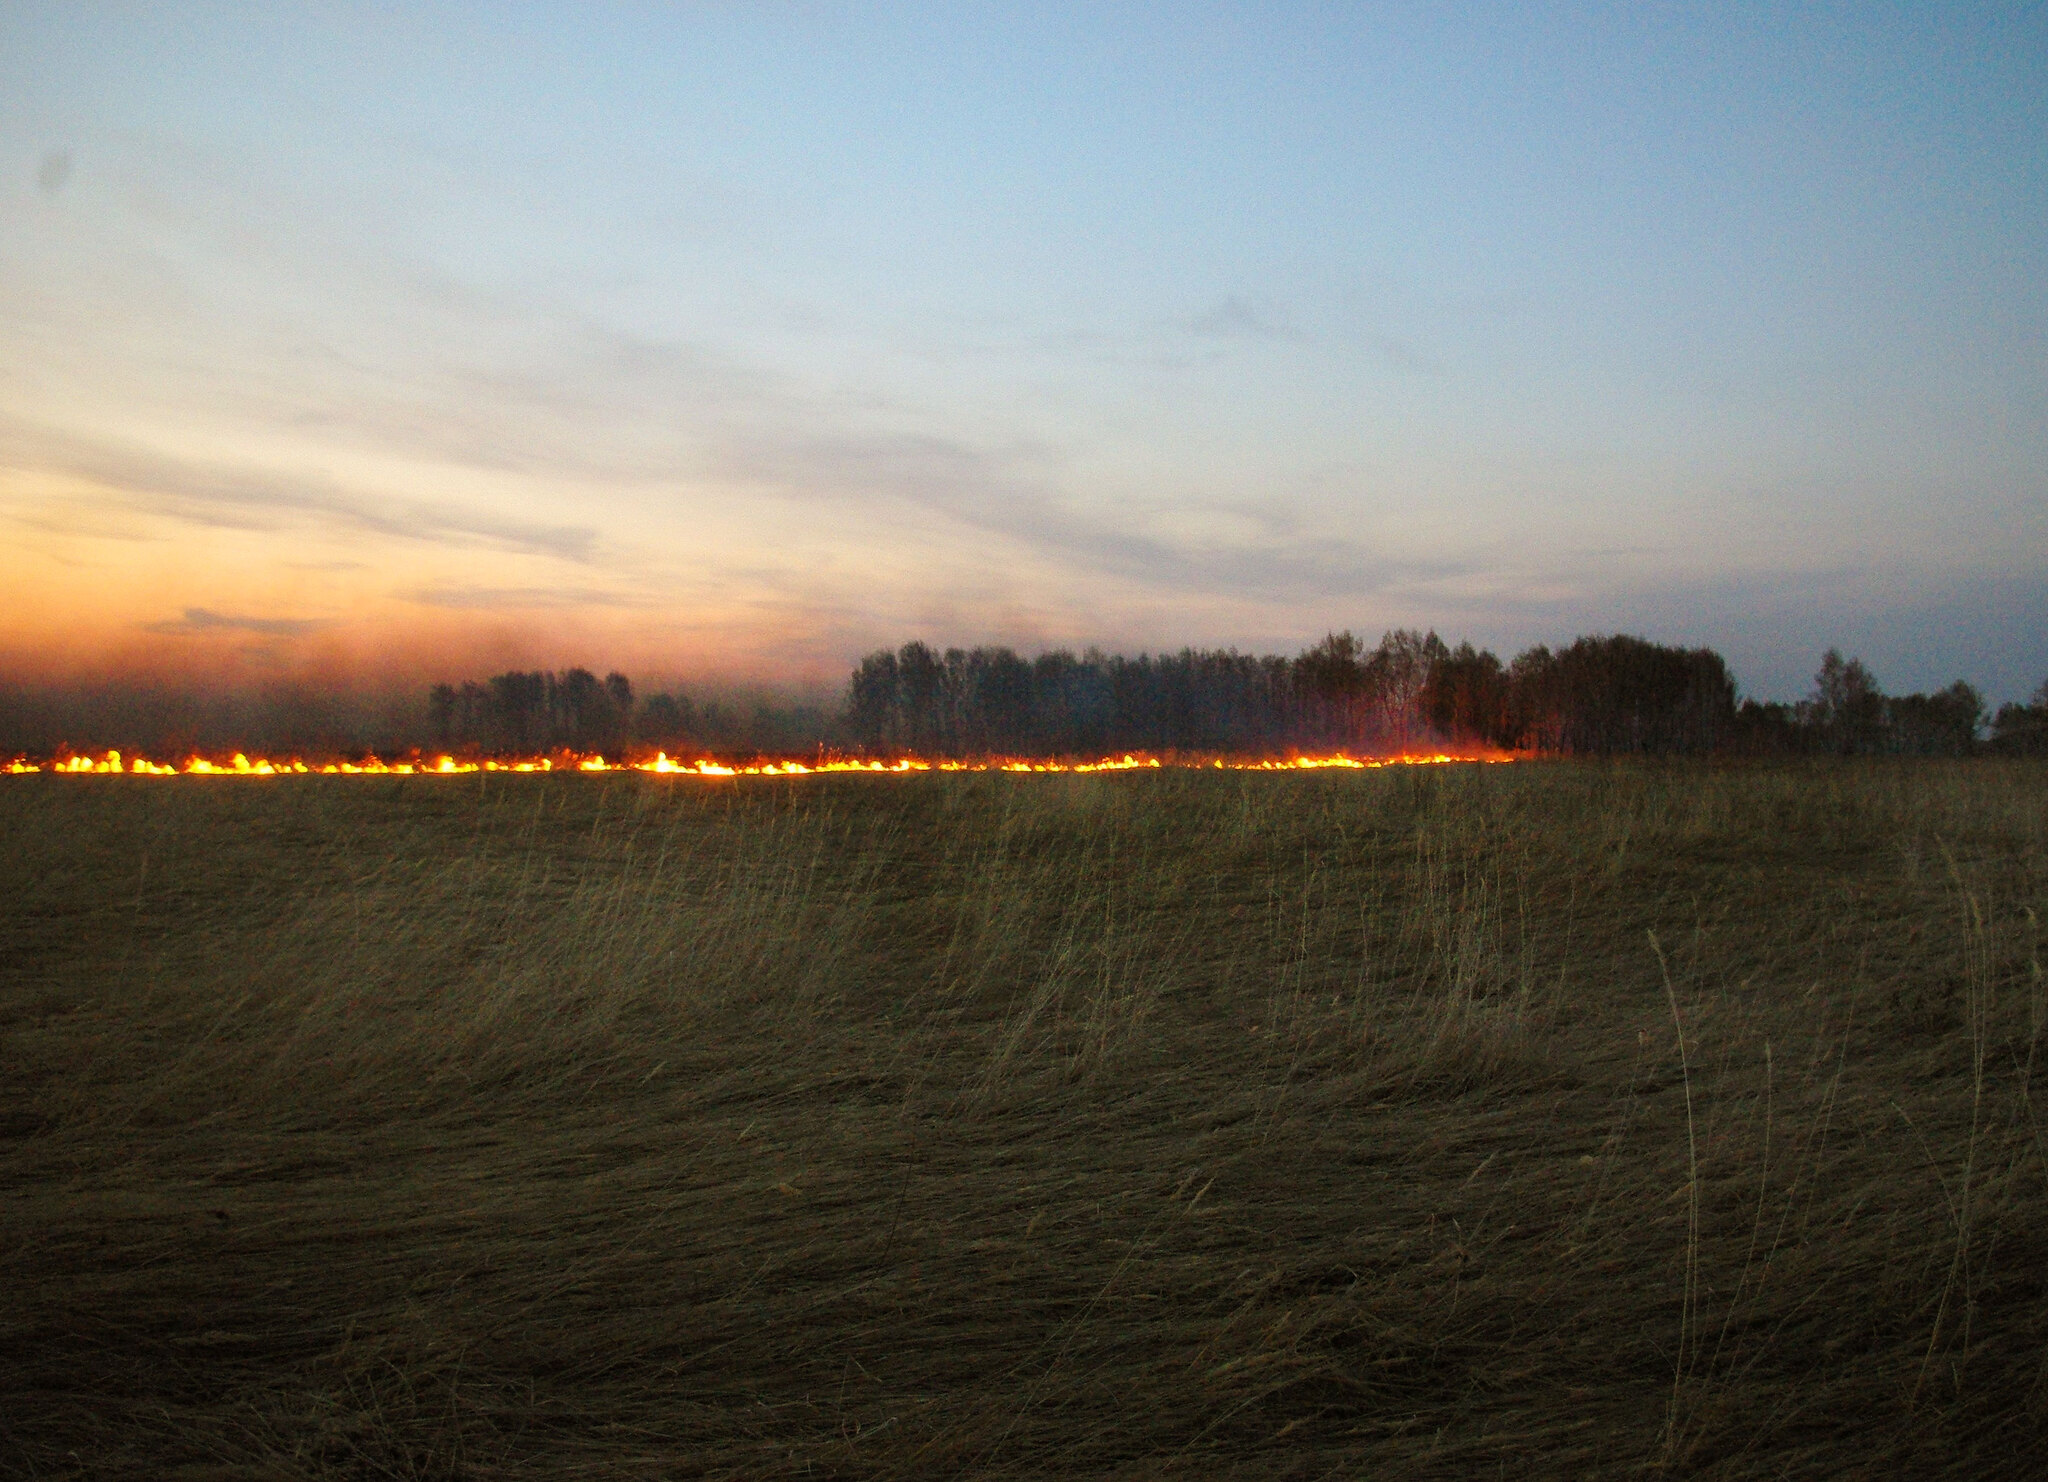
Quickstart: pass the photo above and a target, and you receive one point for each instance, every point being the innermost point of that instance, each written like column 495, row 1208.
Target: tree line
column 1598, row 696
column 1411, row 691
column 2022, row 730
column 1848, row 713
column 537, row 712
column 534, row 712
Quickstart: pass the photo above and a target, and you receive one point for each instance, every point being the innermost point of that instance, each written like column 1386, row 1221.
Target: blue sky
column 736, row 340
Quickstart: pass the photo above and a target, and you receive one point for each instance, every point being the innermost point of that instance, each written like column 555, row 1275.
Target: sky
column 379, row 344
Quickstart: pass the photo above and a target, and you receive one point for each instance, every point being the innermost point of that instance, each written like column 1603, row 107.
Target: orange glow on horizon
column 113, row 763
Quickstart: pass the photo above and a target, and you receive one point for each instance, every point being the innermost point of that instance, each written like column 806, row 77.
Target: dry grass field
column 1464, row 1122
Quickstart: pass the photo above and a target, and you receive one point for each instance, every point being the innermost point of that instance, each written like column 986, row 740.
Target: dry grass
column 1549, row 1120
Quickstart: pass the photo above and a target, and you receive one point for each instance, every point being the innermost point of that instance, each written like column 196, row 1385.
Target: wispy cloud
column 1403, row 356
column 1255, row 320
column 204, row 620
column 1012, row 494
column 1239, row 318
column 517, row 598
column 54, row 171
column 565, row 397
column 230, row 497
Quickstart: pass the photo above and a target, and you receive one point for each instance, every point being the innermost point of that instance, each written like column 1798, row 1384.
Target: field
column 1540, row 1120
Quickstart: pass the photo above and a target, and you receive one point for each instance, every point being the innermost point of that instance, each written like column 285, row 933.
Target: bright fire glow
column 664, row 765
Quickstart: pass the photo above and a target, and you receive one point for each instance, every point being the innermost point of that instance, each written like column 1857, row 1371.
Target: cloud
column 1253, row 320
column 1238, row 318
column 1403, row 356
column 203, row 620
column 54, row 171
column 563, row 398
column 498, row 598
column 1011, row 494
column 238, row 498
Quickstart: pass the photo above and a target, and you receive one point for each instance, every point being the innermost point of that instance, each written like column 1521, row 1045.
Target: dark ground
column 1134, row 1125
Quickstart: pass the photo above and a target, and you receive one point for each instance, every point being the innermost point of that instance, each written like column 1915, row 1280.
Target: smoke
column 163, row 719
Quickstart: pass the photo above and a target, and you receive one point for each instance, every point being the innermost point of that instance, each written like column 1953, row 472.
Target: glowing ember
column 239, row 765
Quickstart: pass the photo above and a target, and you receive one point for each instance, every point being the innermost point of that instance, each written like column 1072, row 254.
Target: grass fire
column 662, row 765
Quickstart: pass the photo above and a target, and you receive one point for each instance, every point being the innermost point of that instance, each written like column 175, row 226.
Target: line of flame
column 662, row 764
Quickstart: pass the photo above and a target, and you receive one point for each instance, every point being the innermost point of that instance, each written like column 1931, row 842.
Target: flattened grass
column 1119, row 1125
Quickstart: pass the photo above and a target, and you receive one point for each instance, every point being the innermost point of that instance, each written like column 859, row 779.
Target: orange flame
column 240, row 765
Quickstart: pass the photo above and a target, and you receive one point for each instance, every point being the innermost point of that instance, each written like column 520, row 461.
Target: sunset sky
column 386, row 343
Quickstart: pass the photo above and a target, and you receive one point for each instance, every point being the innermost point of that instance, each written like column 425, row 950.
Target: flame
column 662, row 764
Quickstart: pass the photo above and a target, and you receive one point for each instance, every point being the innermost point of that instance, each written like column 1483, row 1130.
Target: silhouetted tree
column 2022, row 730
column 1766, row 728
column 996, row 709
column 518, row 710
column 580, row 711
column 441, row 701
column 1621, row 694
column 921, row 686
column 1944, row 723
column 666, row 721
column 1331, row 686
column 1466, row 697
column 874, row 702
column 1846, row 708
column 1396, row 676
